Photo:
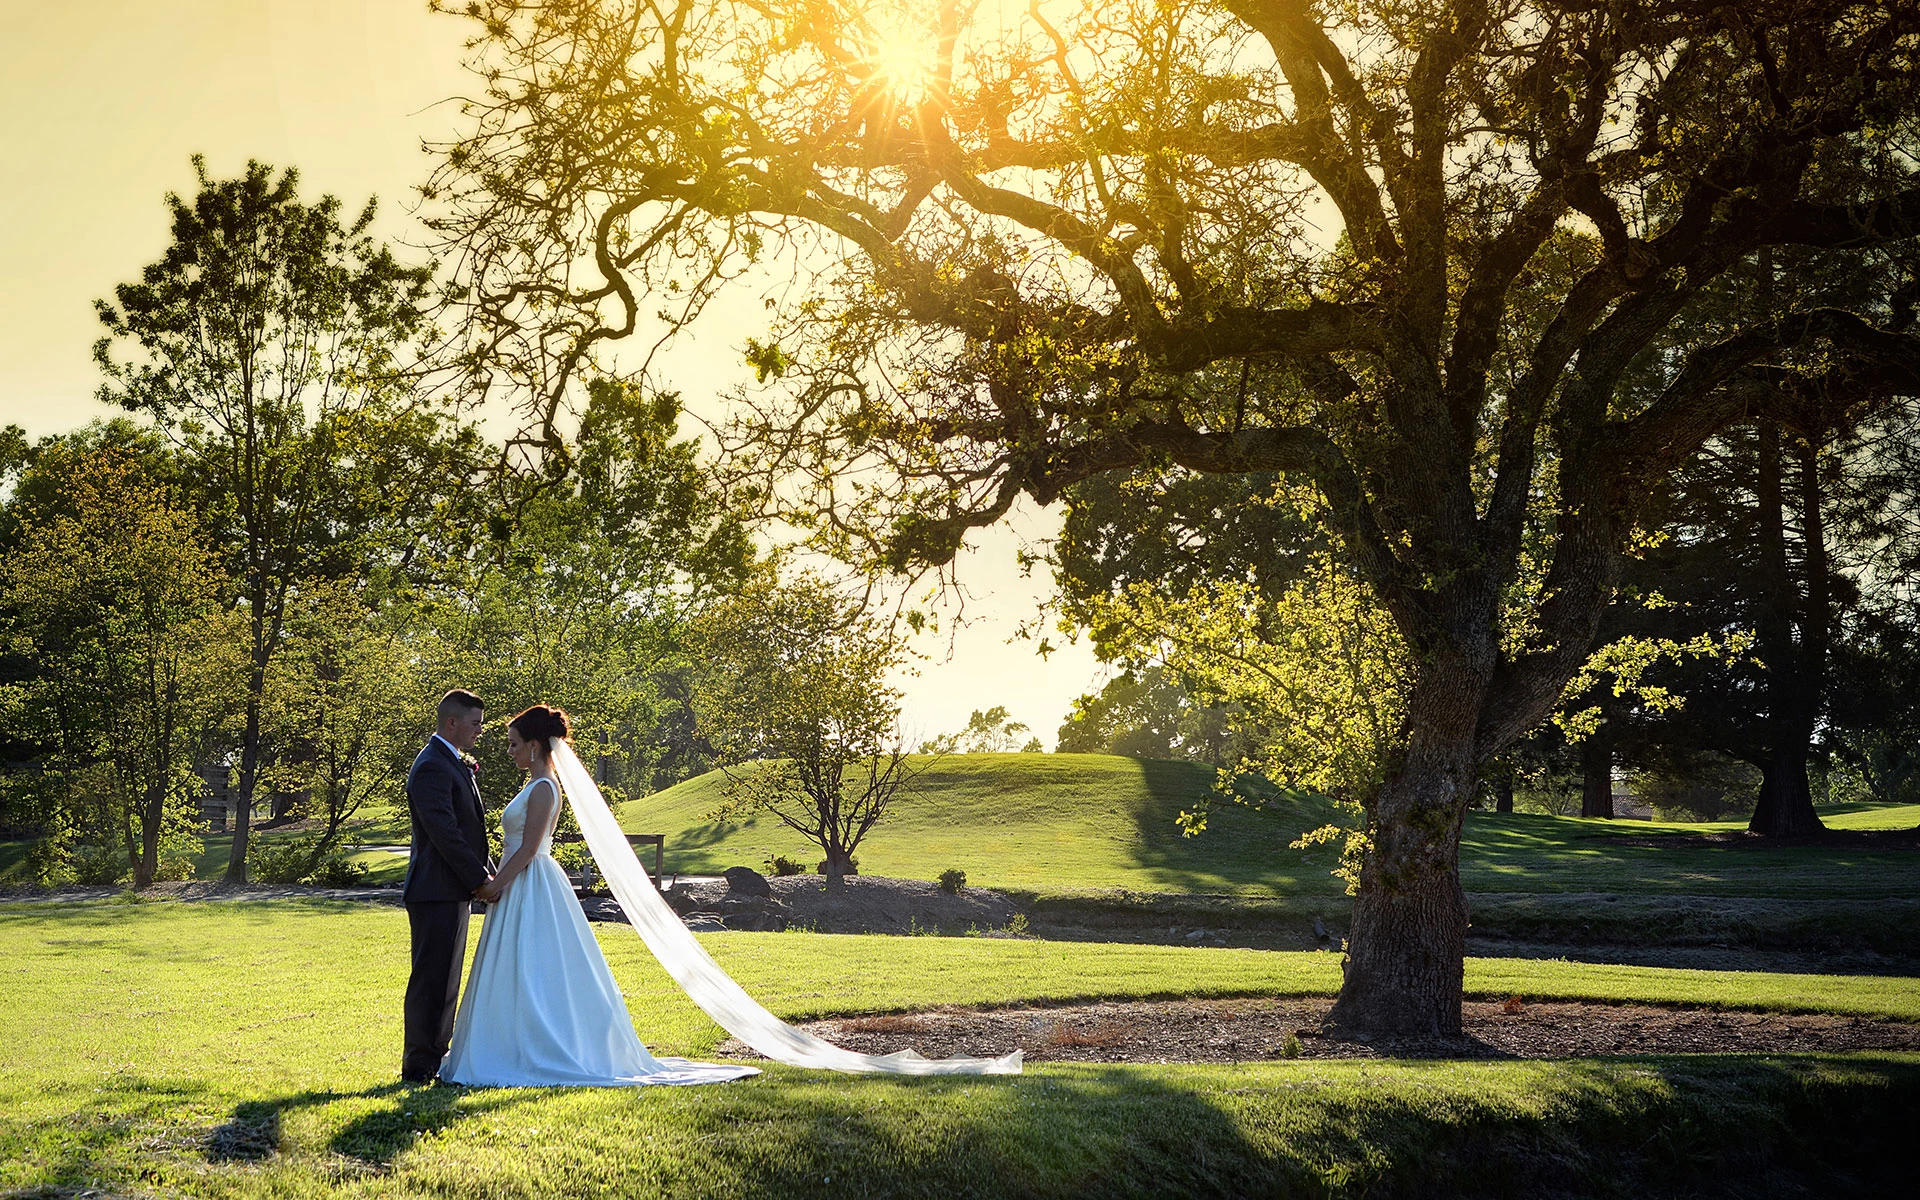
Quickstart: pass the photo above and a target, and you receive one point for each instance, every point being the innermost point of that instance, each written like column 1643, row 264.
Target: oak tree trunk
column 148, row 864
column 1785, row 806
column 839, row 866
column 1407, row 945
column 1795, row 667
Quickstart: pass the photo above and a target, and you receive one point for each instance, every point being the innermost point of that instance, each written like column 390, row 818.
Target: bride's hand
column 489, row 891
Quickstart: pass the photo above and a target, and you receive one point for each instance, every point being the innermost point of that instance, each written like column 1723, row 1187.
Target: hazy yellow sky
column 102, row 103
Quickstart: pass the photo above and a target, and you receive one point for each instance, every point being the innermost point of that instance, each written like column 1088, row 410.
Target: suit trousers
column 433, row 989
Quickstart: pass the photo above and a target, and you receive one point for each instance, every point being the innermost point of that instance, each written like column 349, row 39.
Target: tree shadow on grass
column 1243, row 846
column 1707, row 1126
column 1105, row 1132
column 72, row 1150
column 405, row 1113
column 701, row 837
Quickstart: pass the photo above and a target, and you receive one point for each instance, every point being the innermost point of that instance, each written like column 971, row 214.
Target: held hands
column 490, row 890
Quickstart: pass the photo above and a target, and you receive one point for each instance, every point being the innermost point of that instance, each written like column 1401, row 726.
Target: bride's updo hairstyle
column 539, row 723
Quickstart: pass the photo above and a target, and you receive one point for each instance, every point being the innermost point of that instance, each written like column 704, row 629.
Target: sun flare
column 902, row 63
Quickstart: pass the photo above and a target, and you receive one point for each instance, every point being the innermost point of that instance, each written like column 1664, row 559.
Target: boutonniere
column 472, row 764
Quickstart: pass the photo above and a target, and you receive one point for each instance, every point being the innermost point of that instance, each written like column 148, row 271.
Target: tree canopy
column 1403, row 254
column 267, row 341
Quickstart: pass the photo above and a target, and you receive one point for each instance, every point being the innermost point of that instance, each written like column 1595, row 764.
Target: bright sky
column 106, row 100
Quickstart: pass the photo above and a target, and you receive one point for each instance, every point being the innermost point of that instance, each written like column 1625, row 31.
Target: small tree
column 791, row 690
column 992, row 732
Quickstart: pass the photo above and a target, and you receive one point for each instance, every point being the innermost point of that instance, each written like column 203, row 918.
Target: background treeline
column 127, row 660
column 1763, row 652
column 260, row 583
column 257, row 583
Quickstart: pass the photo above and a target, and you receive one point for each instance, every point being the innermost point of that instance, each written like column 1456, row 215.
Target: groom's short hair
column 458, row 700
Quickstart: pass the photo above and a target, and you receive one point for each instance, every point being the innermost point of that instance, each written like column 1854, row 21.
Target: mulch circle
column 1224, row 1031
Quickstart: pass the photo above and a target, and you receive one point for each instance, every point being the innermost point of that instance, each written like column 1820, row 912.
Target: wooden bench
column 659, row 843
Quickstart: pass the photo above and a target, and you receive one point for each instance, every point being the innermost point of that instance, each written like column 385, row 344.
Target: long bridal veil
column 702, row 978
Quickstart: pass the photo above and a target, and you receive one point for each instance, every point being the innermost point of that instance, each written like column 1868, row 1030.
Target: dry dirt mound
column 1216, row 1031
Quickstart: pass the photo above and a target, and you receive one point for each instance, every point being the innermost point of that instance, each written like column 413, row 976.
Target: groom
column 448, row 864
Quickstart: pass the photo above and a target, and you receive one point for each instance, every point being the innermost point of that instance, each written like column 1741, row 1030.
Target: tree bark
column 1785, row 806
column 839, row 866
column 1596, row 769
column 1794, row 667
column 249, row 773
column 152, row 813
column 1407, row 946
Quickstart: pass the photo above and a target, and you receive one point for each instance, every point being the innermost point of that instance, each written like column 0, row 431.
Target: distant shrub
column 1018, row 925
column 96, row 866
column 952, row 880
column 853, row 865
column 281, row 860
column 1698, row 786
column 337, row 870
column 178, row 857
column 48, row 863
column 291, row 860
column 172, row 866
column 780, row 864
column 572, row 856
column 1291, row 1047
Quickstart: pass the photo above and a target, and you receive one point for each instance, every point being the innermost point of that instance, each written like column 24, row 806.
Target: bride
column 542, row 1009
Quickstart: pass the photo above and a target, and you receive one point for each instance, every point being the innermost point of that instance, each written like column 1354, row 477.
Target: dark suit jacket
column 449, row 858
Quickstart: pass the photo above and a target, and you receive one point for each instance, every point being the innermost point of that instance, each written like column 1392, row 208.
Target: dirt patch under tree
column 1221, row 1031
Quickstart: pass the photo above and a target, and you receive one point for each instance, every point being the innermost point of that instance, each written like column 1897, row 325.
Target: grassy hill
column 1062, row 822
column 1027, row 821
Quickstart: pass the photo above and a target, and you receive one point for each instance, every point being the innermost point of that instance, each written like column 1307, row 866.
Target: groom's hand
column 488, row 891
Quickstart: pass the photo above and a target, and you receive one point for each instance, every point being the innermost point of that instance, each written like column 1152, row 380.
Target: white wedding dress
column 541, row 1008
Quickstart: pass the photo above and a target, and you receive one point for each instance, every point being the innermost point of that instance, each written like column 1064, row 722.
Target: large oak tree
column 1402, row 252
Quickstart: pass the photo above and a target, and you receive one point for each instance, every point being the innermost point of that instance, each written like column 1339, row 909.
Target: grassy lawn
column 248, row 1049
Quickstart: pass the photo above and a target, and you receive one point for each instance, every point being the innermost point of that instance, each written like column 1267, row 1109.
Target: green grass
column 375, row 825
column 1519, row 852
column 1868, row 815
column 247, row 1049
column 1024, row 821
